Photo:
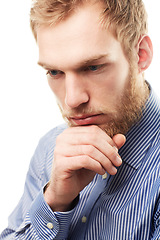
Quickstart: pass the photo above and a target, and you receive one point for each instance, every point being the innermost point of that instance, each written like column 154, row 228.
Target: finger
column 93, row 130
column 119, row 140
column 93, row 152
column 84, row 161
column 93, row 137
column 92, row 142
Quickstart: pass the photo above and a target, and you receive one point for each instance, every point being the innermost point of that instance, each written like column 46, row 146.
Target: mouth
column 82, row 120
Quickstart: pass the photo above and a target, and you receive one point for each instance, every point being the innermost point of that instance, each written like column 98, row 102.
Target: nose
column 76, row 91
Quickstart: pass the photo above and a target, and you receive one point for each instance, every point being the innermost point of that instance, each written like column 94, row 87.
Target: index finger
column 92, row 129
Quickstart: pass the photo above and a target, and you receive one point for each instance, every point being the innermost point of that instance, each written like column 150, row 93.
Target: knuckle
column 92, row 138
column 58, row 139
column 57, row 150
column 94, row 129
column 112, row 155
column 66, row 131
column 84, row 160
column 107, row 165
column 89, row 150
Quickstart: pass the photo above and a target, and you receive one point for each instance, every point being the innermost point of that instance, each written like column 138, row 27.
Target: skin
column 87, row 71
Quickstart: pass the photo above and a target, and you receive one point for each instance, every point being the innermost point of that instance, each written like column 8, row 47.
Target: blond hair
column 127, row 18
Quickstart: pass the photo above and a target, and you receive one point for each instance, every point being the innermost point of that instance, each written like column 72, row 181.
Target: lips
column 85, row 119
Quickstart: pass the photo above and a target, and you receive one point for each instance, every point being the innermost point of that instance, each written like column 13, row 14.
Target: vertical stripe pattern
column 121, row 207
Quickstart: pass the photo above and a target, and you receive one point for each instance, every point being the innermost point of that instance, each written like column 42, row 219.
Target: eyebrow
column 91, row 60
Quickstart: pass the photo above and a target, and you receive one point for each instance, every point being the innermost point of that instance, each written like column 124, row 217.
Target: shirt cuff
column 49, row 224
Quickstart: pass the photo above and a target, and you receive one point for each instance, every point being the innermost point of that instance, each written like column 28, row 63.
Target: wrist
column 58, row 204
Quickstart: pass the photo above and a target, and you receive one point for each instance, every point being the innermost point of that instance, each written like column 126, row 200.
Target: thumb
column 119, row 140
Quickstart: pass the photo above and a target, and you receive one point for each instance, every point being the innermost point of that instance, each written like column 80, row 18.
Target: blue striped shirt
column 121, row 207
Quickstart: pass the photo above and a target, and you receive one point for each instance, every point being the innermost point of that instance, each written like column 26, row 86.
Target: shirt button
column 50, row 225
column 104, row 176
column 84, row 219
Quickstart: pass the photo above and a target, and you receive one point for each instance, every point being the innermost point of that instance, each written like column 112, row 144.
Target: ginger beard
column 126, row 111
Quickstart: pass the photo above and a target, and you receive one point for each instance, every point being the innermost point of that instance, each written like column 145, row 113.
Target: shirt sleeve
column 42, row 223
column 33, row 218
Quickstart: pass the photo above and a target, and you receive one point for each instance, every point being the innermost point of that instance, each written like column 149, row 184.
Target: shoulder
column 47, row 144
column 42, row 159
column 49, row 138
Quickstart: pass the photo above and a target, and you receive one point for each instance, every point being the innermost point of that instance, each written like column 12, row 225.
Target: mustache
column 86, row 111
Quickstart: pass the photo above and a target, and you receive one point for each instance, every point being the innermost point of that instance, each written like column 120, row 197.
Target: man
column 99, row 177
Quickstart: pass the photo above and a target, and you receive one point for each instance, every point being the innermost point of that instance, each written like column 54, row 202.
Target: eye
column 53, row 73
column 93, row 68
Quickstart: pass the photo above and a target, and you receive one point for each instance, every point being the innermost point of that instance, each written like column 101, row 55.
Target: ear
column 144, row 52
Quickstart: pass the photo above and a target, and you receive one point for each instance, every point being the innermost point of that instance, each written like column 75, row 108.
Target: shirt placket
column 84, row 216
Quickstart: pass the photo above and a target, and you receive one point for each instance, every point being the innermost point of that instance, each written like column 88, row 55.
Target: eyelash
column 95, row 68
column 92, row 68
column 52, row 75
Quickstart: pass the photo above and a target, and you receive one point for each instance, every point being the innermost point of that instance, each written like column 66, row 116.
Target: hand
column 80, row 153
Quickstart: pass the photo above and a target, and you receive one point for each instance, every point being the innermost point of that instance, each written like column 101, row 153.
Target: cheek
column 104, row 94
column 110, row 83
column 118, row 79
column 110, row 88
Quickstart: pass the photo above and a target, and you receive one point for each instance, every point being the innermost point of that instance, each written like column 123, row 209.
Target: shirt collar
column 141, row 135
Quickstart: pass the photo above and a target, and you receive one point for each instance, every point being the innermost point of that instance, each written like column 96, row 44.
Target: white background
column 27, row 106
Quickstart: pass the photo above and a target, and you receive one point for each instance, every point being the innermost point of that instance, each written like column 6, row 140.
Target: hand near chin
column 80, row 153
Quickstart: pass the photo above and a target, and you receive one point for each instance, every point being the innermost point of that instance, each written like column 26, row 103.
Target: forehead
column 78, row 38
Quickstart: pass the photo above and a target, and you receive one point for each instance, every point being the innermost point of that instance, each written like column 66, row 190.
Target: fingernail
column 118, row 160
column 115, row 148
column 114, row 170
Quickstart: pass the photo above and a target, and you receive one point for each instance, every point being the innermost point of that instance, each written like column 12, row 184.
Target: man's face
column 87, row 71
